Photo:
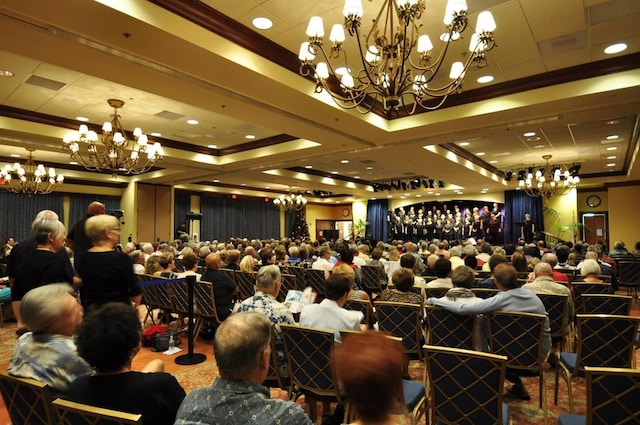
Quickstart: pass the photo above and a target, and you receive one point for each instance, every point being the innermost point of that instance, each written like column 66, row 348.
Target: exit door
column 595, row 228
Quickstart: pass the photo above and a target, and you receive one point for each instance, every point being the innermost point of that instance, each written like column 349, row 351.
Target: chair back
column 612, row 395
column 205, row 300
column 230, row 274
column 315, row 279
column 179, row 297
column 246, row 281
column 448, row 329
column 163, row 292
column 629, row 271
column 465, row 387
column 402, row 320
column 484, row 293
column 605, row 340
column 359, row 305
column 557, row 306
column 27, row 400
column 149, row 296
column 71, row 413
column 606, row 304
column 519, row 336
column 289, row 283
column 580, row 288
column 371, row 276
column 435, row 292
column 274, row 377
column 308, row 352
column 299, row 273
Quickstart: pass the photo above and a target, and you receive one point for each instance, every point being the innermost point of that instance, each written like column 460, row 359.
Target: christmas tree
column 300, row 227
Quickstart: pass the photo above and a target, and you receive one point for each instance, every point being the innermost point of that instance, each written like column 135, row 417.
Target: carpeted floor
column 190, row 377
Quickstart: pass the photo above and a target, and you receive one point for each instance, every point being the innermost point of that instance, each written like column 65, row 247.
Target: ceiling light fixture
column 548, row 180
column 391, row 74
column 30, row 179
column 116, row 155
column 615, row 48
column 262, row 23
column 290, row 202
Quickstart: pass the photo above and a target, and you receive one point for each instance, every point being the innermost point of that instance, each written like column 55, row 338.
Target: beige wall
column 624, row 204
column 561, row 211
column 324, row 212
column 154, row 206
column 489, row 198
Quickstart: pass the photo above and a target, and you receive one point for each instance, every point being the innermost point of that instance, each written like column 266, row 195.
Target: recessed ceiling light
column 334, row 172
column 262, row 23
column 611, row 157
column 356, row 177
column 216, row 181
column 464, row 143
column 613, row 122
column 430, row 192
column 344, row 161
column 612, row 148
column 267, row 187
column 403, row 197
column 155, row 134
column 373, row 199
column 437, row 193
column 493, row 161
column 5, row 73
column 82, row 119
column 533, row 139
column 250, row 136
column 308, row 166
column 485, row 79
column 212, row 146
column 480, row 154
column 417, row 196
column 243, row 184
column 193, row 122
column 615, row 48
column 14, row 155
column 538, row 146
column 529, row 134
column 73, row 162
column 611, row 164
column 612, row 137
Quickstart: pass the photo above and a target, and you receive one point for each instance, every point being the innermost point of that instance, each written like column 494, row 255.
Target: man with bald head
column 544, row 284
column 77, row 238
column 552, row 259
column 223, row 287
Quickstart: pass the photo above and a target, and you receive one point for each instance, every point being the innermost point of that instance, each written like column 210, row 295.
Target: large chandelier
column 290, row 202
column 30, row 179
column 548, row 180
column 117, row 152
column 387, row 69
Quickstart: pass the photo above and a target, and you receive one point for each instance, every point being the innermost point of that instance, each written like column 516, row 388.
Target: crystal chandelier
column 31, row 179
column 290, row 202
column 548, row 180
column 116, row 152
column 390, row 72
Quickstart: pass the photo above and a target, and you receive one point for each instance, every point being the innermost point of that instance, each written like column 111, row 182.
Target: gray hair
column 41, row 215
column 543, row 267
column 43, row 305
column 590, row 267
column 45, row 226
column 147, row 248
column 267, row 277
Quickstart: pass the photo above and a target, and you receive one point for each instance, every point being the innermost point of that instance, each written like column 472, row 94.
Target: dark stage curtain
column 516, row 205
column 224, row 217
column 19, row 210
column 289, row 222
column 377, row 211
column 78, row 206
column 181, row 206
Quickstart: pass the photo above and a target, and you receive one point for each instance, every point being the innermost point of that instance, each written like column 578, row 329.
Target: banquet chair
column 315, row 279
column 230, row 273
column 362, row 306
column 435, row 292
column 465, row 386
column 612, row 395
column 371, row 276
column 580, row 288
column 402, row 320
column 603, row 341
column 28, row 401
column 484, row 293
column 629, row 275
column 520, row 337
column 149, row 296
column 205, row 305
column 289, row 283
column 557, row 306
column 449, row 329
column 71, row 413
column 246, row 281
column 308, row 353
column 300, row 274
column 180, row 301
column 607, row 304
column 274, row 376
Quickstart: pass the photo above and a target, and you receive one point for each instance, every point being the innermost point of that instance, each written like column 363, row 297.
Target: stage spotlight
column 432, row 183
column 425, row 184
column 521, row 174
column 441, row 184
column 404, row 185
column 508, row 176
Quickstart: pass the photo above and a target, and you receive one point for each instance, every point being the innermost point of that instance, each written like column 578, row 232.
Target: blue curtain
column 516, row 205
column 78, row 206
column 19, row 210
column 181, row 206
column 224, row 217
column 377, row 211
column 289, row 222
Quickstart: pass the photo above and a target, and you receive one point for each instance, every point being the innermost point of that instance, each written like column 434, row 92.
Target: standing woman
column 528, row 228
column 106, row 273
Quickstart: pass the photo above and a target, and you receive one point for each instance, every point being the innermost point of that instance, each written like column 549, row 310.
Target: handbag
column 160, row 341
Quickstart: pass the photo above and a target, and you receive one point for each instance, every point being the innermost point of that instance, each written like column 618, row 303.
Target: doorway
column 595, row 227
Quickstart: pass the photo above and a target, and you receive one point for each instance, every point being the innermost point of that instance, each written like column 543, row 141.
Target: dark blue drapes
column 181, row 206
column 224, row 217
column 377, row 212
column 78, row 206
column 516, row 205
column 19, row 210
column 289, row 222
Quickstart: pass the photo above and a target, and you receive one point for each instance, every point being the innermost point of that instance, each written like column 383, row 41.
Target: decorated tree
column 300, row 228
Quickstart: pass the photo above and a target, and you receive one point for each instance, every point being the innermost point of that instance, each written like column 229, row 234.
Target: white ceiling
column 166, row 64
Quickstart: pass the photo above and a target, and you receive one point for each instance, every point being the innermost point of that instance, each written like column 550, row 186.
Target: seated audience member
column 456, row 257
column 137, row 259
column 519, row 262
column 242, row 352
column 442, row 268
column 471, row 261
column 408, row 261
column 490, row 282
column 223, row 287
column 267, row 257
column 510, row 298
column 355, row 294
column 152, row 265
column 167, row 266
column 371, row 386
column 108, row 339
column 329, row 314
column 323, row 263
column 376, row 261
column 248, row 264
column 232, row 260
column 268, row 282
column 552, row 259
column 190, row 264
column 402, row 280
column 48, row 353
column 462, row 279
column 562, row 253
column 590, row 271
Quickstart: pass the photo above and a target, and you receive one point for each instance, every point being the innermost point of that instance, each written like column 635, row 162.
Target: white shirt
column 328, row 315
column 323, row 264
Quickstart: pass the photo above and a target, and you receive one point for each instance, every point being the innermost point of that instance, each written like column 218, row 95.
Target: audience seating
column 149, row 296
column 606, row 304
column 71, row 413
column 230, row 274
column 289, row 283
column 557, row 306
column 299, row 273
column 449, row 329
column 435, row 292
column 28, row 401
column 484, row 292
column 612, row 398
column 629, row 275
column 520, row 337
column 362, row 306
column 603, row 341
column 246, row 282
column 274, row 377
column 580, row 288
column 315, row 279
column 180, row 301
column 465, row 387
column 371, row 276
column 404, row 321
column 205, row 305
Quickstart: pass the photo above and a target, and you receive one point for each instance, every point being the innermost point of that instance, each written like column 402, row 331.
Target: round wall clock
column 346, row 212
column 593, row 201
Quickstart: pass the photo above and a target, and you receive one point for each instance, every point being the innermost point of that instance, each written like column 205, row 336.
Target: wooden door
column 595, row 228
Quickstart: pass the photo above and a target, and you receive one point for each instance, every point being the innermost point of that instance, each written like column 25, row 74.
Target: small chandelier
column 290, row 202
column 31, row 179
column 548, row 180
column 118, row 154
column 390, row 72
